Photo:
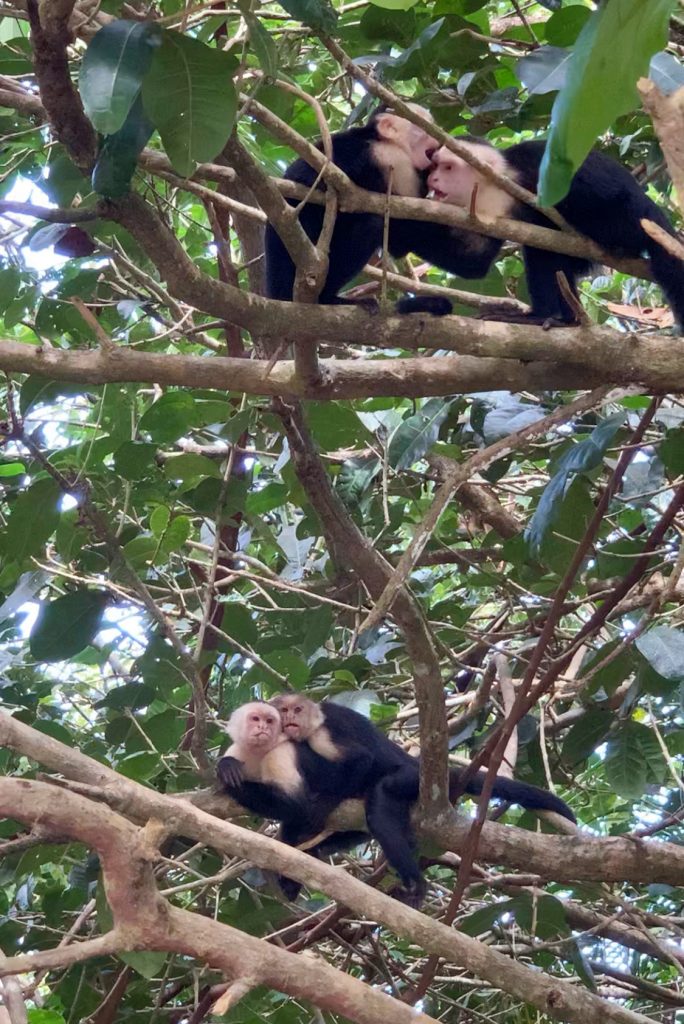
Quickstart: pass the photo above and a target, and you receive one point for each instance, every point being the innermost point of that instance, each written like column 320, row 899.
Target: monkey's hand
column 229, row 771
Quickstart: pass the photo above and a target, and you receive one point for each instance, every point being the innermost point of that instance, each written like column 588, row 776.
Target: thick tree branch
column 655, row 365
column 150, row 922
column 50, row 37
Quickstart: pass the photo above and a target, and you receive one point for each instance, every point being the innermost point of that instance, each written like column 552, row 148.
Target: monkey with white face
column 262, row 771
column 604, row 203
column 388, row 152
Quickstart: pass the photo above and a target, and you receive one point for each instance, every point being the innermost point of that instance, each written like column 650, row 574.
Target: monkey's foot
column 412, row 895
column 289, row 887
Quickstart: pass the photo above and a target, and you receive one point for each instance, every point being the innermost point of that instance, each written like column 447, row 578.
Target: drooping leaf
column 599, row 87
column 416, row 435
column 65, row 626
column 118, row 157
column 544, row 70
column 633, row 759
column 262, row 44
column 319, row 15
column 578, row 459
column 586, row 735
column 33, row 519
column 114, row 66
column 663, row 648
column 190, row 98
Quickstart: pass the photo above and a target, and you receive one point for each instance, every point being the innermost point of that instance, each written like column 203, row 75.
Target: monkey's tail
column 668, row 271
column 531, row 797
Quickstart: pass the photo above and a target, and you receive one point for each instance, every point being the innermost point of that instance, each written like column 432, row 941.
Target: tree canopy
column 468, row 530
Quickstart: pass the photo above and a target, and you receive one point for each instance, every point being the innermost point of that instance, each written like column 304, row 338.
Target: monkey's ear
column 386, row 125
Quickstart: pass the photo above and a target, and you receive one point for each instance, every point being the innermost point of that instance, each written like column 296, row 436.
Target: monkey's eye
column 297, row 710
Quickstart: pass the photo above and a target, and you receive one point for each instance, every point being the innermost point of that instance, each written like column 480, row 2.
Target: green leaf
column 190, row 97
column 633, row 759
column 264, row 48
column 290, row 665
column 190, row 468
column 599, row 88
column 237, row 622
column 159, row 520
column 671, row 451
column 335, row 425
column 319, row 15
column 33, row 519
column 482, row 920
column 169, row 418
column 36, row 1016
column 148, row 963
column 578, row 459
column 356, row 477
column 10, row 469
column 65, row 626
column 586, row 735
column 395, row 5
column 118, row 157
column 141, row 767
column 135, row 460
column 415, row 436
column 114, row 66
column 176, row 534
column 10, row 283
column 565, row 25
column 663, row 648
column 265, row 500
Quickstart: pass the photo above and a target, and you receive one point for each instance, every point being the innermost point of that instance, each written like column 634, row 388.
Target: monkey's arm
column 463, row 253
column 230, row 772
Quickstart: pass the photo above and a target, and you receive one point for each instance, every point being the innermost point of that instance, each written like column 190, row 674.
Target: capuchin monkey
column 604, row 203
column 261, row 770
column 388, row 145
column 343, row 756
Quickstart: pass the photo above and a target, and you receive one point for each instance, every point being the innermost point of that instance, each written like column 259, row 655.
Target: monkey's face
column 414, row 141
column 259, row 728
column 294, row 716
column 451, row 179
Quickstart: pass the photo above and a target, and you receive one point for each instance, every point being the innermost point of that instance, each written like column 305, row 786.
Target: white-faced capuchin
column 261, row 770
column 341, row 755
column 604, row 203
column 387, row 144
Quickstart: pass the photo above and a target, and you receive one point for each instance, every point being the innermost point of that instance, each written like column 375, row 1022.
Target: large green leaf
column 33, row 519
column 118, row 157
column 415, row 436
column 65, row 626
column 190, row 97
column 319, row 15
column 634, row 759
column 663, row 648
column 114, row 66
column 612, row 51
column 578, row 459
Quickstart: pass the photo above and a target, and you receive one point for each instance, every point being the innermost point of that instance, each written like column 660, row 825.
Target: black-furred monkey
column 604, row 203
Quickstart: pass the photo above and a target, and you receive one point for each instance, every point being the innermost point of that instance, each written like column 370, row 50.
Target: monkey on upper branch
column 604, row 203
column 387, row 146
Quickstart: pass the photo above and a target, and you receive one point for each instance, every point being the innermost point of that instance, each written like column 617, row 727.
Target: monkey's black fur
column 604, row 203
column 355, row 237
column 373, row 768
